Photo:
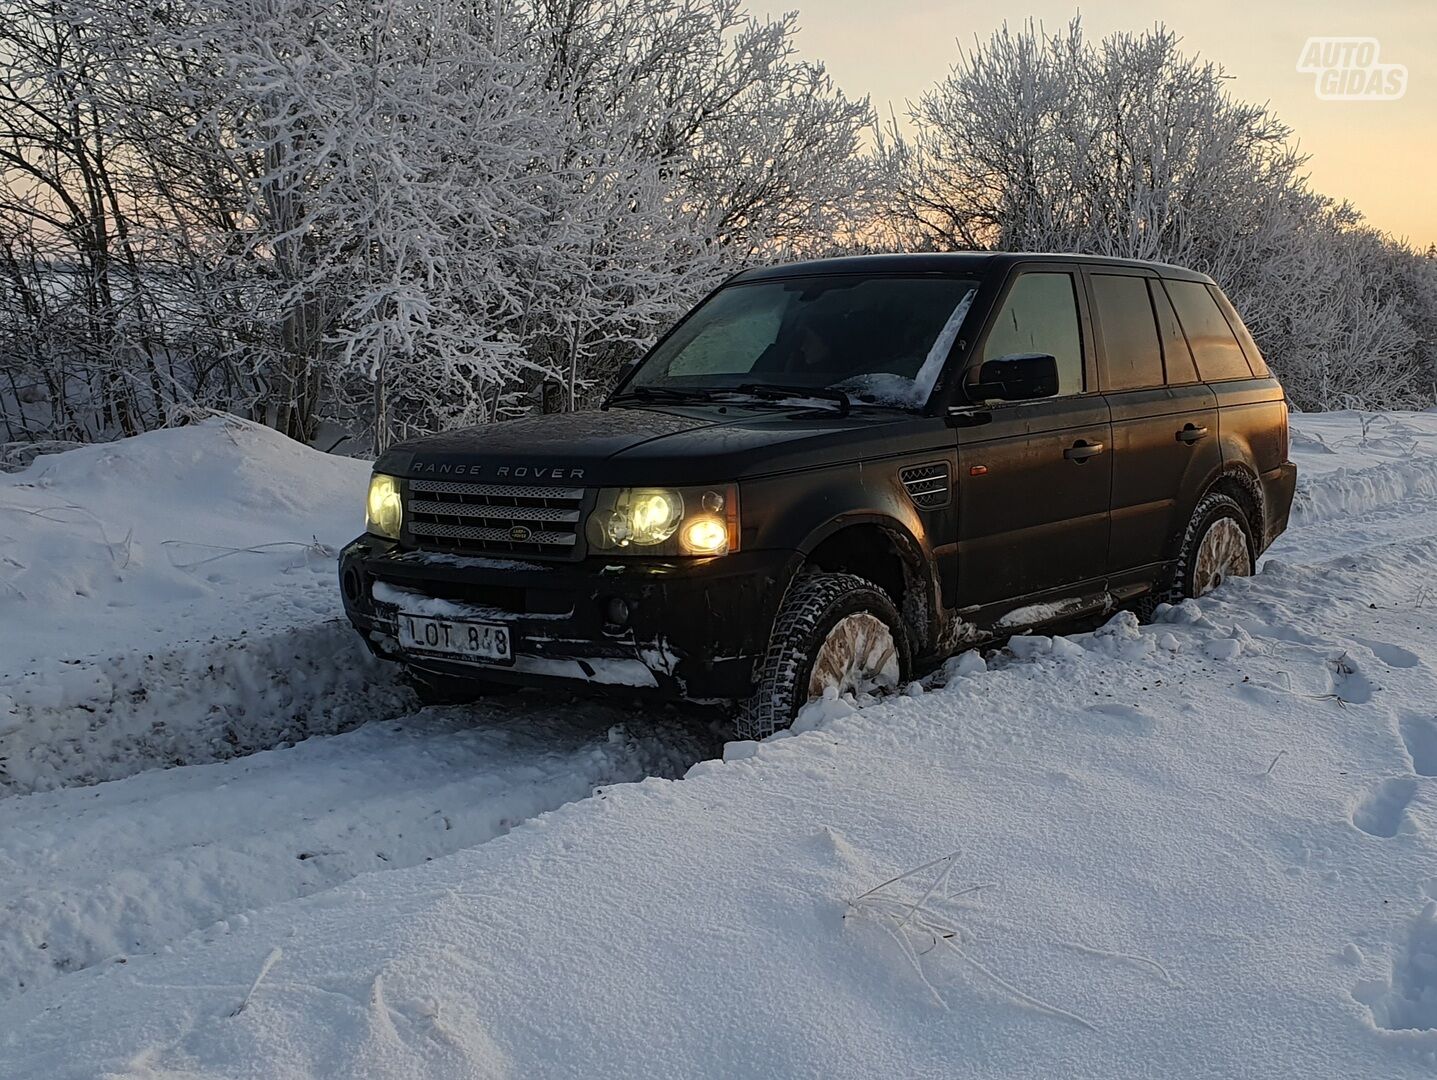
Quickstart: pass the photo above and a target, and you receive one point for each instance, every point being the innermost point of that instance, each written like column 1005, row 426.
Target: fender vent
column 929, row 486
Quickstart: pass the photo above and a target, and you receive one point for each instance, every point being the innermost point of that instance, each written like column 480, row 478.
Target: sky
column 1380, row 155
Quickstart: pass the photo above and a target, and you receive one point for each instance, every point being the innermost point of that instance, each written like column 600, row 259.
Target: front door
column 1034, row 477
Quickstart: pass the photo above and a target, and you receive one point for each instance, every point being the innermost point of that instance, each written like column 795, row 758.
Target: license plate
column 456, row 638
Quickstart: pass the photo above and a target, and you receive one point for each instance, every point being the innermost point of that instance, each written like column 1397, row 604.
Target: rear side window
column 1214, row 345
column 1040, row 315
column 1132, row 358
column 1244, row 338
column 1177, row 357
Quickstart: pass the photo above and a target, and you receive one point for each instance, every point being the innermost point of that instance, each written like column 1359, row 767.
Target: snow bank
column 91, row 874
column 171, row 598
column 81, row 721
column 1201, row 848
column 1353, row 463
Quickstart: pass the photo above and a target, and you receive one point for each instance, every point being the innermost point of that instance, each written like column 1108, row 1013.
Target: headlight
column 383, row 512
column 644, row 516
column 665, row 521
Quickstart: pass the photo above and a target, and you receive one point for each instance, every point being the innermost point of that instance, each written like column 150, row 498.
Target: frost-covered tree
column 401, row 214
column 392, row 156
column 698, row 142
column 1129, row 147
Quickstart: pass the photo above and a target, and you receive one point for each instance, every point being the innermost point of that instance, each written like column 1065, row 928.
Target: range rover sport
column 829, row 476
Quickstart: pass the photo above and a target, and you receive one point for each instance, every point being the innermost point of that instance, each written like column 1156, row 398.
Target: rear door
column 1165, row 422
column 1034, row 477
column 1253, row 411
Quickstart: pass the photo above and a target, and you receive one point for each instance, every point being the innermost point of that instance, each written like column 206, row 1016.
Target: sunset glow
column 896, row 52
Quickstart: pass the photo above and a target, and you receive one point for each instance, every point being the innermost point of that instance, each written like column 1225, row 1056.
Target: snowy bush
column 1128, row 147
column 400, row 216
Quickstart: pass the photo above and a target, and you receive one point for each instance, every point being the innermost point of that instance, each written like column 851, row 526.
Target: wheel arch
column 1242, row 485
column 885, row 551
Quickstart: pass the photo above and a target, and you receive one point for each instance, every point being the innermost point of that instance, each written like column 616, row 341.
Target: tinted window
column 1214, row 346
column 1132, row 358
column 1177, row 357
column 883, row 337
column 1040, row 315
column 1244, row 338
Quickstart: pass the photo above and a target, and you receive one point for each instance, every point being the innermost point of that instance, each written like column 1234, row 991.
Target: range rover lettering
column 831, row 475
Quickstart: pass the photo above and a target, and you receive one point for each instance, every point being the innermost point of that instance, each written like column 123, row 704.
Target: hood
column 622, row 446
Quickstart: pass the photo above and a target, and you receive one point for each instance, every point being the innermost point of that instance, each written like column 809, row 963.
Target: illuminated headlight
column 706, row 536
column 644, row 516
column 383, row 512
column 665, row 521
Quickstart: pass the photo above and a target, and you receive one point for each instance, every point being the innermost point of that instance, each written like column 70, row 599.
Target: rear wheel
column 835, row 634
column 1217, row 545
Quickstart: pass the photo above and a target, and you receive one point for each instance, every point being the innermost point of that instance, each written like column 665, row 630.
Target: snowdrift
column 1201, row 848
column 171, row 598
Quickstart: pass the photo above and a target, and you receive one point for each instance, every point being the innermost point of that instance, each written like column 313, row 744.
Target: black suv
column 835, row 473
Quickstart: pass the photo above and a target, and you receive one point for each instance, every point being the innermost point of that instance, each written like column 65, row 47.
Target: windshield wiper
column 762, row 391
column 663, row 393
column 779, row 392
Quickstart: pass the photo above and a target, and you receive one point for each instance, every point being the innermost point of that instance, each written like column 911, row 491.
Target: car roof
column 957, row 263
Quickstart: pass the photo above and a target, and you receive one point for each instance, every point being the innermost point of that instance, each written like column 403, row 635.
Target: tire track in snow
column 89, row 875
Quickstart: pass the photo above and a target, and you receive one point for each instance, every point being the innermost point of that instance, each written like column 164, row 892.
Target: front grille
column 929, row 486
column 506, row 519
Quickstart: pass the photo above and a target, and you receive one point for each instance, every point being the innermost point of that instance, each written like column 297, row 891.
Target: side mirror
column 1020, row 377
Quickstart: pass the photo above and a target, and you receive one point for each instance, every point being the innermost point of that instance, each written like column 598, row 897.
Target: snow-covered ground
column 172, row 599
column 1206, row 847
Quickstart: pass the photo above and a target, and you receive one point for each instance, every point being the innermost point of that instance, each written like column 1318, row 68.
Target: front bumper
column 694, row 627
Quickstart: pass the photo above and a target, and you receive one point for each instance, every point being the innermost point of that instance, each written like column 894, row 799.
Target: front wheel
column 835, row 633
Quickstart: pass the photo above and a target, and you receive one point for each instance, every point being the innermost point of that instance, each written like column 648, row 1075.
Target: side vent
column 929, row 486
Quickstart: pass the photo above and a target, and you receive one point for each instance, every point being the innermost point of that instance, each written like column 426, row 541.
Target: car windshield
column 880, row 340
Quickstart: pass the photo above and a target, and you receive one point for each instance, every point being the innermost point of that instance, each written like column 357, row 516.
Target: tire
column 1219, row 521
column 811, row 612
column 434, row 689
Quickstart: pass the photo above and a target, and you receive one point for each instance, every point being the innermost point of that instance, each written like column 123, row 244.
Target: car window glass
column 883, row 339
column 1040, row 315
column 1177, row 357
column 1214, row 346
column 737, row 335
column 1244, row 337
column 1131, row 356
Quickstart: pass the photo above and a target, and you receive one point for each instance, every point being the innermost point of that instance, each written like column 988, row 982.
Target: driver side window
column 1040, row 315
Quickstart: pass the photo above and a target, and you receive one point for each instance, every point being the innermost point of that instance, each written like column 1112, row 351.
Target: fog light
column 706, row 536
column 353, row 585
column 617, row 611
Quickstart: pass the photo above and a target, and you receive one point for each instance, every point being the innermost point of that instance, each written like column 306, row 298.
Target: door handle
column 1081, row 450
column 1191, row 433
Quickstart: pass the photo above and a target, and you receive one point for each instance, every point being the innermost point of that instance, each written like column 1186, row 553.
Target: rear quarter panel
column 1252, row 423
column 1252, row 420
